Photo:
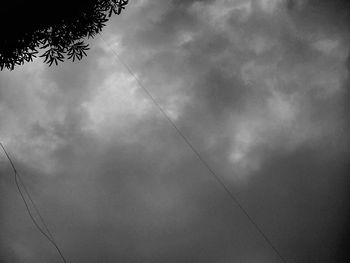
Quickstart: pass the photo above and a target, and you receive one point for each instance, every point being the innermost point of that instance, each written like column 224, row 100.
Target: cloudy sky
column 259, row 87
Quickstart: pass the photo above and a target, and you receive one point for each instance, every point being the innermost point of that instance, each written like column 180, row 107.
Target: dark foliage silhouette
column 58, row 28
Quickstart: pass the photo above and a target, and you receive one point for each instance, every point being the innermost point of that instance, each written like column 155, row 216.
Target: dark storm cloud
column 257, row 86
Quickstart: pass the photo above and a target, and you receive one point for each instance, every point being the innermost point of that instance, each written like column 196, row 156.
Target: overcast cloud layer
column 259, row 87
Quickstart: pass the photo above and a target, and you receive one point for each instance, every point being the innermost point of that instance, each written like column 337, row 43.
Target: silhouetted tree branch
column 56, row 27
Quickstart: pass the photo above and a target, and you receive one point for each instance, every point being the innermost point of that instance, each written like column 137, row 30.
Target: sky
column 260, row 88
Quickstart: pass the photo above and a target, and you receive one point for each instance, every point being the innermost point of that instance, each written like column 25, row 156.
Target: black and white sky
column 259, row 87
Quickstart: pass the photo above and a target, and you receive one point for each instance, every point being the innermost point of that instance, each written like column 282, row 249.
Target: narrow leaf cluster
column 58, row 32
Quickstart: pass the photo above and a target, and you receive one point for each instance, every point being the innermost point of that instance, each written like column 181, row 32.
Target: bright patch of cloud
column 221, row 10
column 327, row 46
column 116, row 105
column 269, row 6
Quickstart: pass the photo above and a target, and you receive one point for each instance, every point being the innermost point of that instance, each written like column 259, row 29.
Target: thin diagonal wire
column 16, row 175
column 206, row 165
column 35, row 208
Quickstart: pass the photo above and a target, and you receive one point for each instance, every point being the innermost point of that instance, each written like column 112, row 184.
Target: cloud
column 260, row 88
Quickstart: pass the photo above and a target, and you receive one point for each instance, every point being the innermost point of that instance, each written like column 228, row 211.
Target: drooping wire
column 35, row 208
column 198, row 155
column 18, row 180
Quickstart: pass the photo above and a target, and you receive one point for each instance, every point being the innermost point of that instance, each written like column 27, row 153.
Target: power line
column 200, row 158
column 35, row 208
column 18, row 179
